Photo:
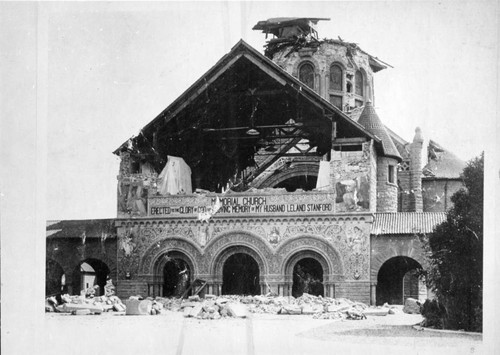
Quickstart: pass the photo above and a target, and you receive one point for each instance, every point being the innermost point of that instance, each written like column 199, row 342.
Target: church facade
column 271, row 173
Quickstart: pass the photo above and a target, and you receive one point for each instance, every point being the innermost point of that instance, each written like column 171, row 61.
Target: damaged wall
column 352, row 175
column 329, row 52
column 437, row 193
column 72, row 242
column 343, row 242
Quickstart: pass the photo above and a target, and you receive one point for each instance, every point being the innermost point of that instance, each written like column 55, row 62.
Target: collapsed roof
column 295, row 33
column 278, row 26
column 441, row 163
column 210, row 125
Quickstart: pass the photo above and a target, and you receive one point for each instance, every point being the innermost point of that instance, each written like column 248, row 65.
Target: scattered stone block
column 338, row 308
column 138, row 307
column 195, row 298
column 412, row 306
column 221, row 301
column 197, row 310
column 119, row 307
column 70, row 307
column 375, row 312
column 81, row 312
column 307, row 309
column 290, row 309
column 187, row 311
column 237, row 310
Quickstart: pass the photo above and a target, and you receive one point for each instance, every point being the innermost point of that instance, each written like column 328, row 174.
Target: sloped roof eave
column 241, row 46
column 400, row 223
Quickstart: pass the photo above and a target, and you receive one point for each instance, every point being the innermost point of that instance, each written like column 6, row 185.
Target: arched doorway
column 240, row 275
column 54, row 278
column 307, row 278
column 397, row 280
column 176, row 277
column 89, row 273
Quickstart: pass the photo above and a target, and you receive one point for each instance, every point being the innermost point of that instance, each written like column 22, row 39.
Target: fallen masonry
column 218, row 307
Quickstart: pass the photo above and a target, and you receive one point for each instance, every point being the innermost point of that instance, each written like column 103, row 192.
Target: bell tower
column 341, row 72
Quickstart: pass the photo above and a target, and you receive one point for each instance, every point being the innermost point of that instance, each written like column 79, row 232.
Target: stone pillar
column 387, row 192
column 373, row 294
column 416, row 204
column 331, row 290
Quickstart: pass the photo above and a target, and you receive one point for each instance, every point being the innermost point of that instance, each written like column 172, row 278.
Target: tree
column 455, row 253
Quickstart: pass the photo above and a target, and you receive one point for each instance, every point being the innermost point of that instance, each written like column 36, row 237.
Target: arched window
column 306, row 74
column 359, row 87
column 336, row 78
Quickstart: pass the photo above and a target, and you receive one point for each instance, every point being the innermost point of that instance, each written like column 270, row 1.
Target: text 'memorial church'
column 271, row 173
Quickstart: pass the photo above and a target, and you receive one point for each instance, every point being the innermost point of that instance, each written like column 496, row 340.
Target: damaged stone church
column 271, row 173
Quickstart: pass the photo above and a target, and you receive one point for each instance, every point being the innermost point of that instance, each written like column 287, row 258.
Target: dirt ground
column 171, row 333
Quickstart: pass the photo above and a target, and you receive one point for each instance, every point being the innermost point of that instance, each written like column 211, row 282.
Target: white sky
column 112, row 67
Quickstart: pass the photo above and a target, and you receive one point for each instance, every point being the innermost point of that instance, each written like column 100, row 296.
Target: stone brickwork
column 340, row 244
column 400, row 245
column 416, row 204
column 404, row 183
column 70, row 253
column 328, row 53
column 387, row 192
column 355, row 291
column 373, row 179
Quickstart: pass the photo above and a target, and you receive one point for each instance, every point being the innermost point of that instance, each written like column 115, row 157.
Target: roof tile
column 370, row 120
column 406, row 222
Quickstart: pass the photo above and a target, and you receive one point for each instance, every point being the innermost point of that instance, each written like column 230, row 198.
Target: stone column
column 416, row 203
column 373, row 294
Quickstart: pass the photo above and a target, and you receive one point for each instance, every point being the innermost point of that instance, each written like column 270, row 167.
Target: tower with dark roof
column 388, row 158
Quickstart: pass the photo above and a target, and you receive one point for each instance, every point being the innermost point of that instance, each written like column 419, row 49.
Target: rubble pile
column 214, row 307
column 81, row 305
column 217, row 307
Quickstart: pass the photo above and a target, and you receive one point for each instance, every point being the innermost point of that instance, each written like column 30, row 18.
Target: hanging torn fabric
column 175, row 177
column 323, row 182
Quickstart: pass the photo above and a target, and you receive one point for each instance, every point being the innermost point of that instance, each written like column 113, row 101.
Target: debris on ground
column 217, row 307
column 412, row 306
column 80, row 305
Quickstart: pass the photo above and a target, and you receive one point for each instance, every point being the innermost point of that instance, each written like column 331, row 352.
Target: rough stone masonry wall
column 416, row 204
column 373, row 178
column 322, row 58
column 387, row 192
column 341, row 242
column 405, row 188
column 69, row 253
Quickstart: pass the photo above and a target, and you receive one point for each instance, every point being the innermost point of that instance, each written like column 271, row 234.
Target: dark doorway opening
column 240, row 275
column 176, row 278
column 307, row 278
column 393, row 286
column 54, row 276
column 304, row 182
column 90, row 273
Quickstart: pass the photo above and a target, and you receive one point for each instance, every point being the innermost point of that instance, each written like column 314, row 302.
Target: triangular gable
column 209, row 125
column 243, row 50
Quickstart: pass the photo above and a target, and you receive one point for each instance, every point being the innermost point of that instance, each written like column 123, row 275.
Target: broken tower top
column 287, row 27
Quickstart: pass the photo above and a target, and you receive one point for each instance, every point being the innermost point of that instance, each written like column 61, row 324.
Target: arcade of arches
column 88, row 273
